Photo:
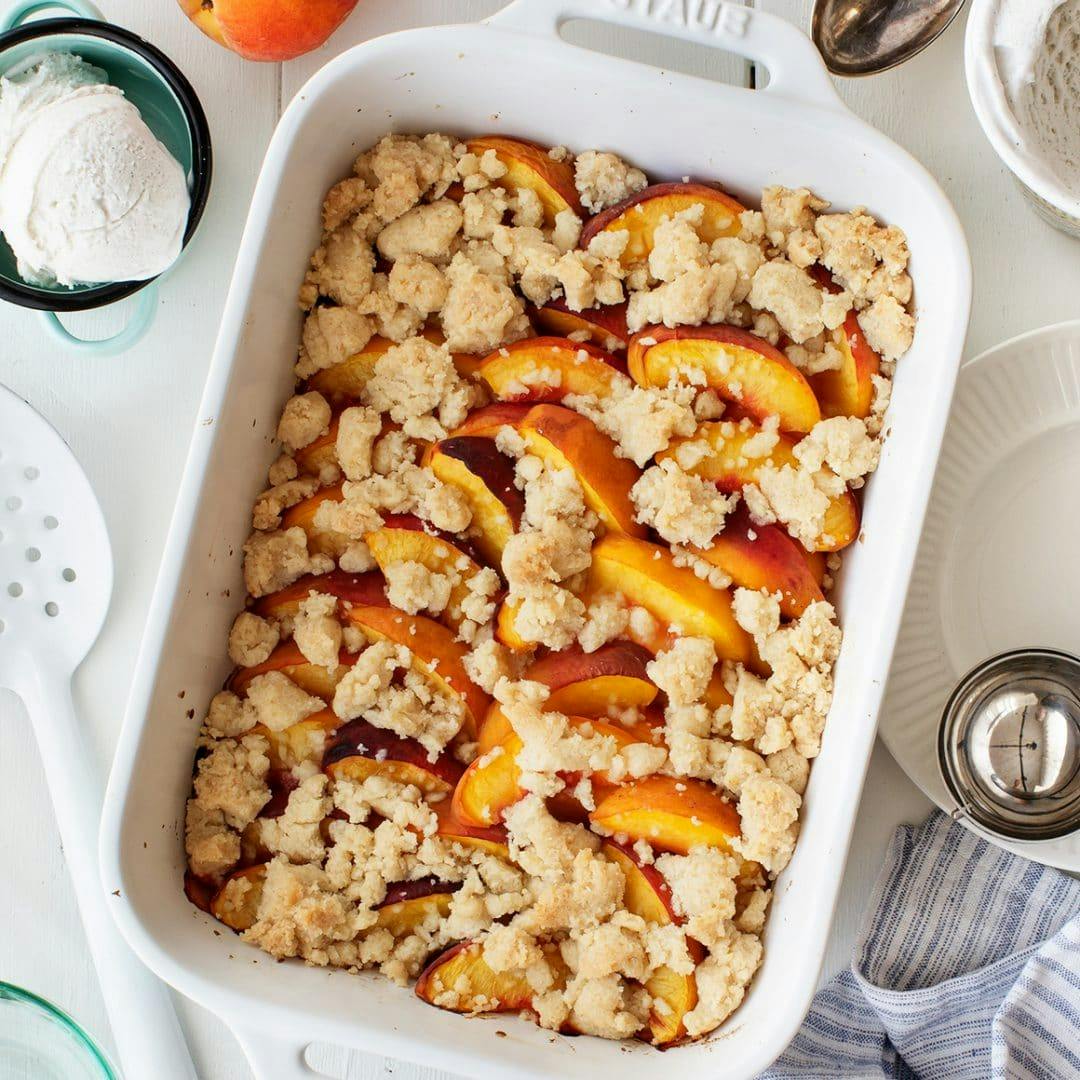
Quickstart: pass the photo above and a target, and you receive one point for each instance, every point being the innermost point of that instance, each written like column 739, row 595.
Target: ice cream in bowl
column 105, row 167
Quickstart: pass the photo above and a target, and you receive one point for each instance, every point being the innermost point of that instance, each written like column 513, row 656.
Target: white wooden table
column 129, row 420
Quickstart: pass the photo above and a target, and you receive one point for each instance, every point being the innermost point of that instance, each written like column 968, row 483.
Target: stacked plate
column 999, row 563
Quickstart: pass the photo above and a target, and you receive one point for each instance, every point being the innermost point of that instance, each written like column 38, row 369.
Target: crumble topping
column 357, row 850
column 682, row 508
column 251, row 639
column 273, row 560
column 316, row 631
column 603, row 179
column 304, row 418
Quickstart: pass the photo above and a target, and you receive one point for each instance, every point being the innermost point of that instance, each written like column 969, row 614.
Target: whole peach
column 268, row 29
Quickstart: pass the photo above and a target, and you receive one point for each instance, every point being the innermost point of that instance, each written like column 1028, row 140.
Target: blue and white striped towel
column 967, row 967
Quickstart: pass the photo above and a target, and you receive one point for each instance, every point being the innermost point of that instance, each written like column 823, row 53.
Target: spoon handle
column 145, row 1029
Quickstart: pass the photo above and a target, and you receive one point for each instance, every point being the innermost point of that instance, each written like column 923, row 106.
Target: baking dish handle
column 795, row 68
column 274, row 1057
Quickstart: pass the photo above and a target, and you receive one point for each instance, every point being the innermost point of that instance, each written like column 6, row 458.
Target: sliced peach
column 565, row 439
column 494, row 729
column 647, row 728
column 506, row 629
column 318, row 455
column 236, row 903
column 646, row 892
column 320, row 540
column 299, row 743
column 606, row 326
column 486, row 478
column 648, row 895
column 461, row 981
column 344, row 383
column 403, row 538
column 368, row 588
column 679, row 994
column 548, row 369
column 491, row 839
column 589, row 684
column 849, row 389
column 410, row 905
column 764, row 557
column 737, row 365
column 646, row 575
column 200, row 891
column 528, row 165
column 817, row 563
column 491, row 419
column 439, row 655
column 669, row 814
column 360, row 750
column 290, row 661
column 492, row 782
column 642, row 212
column 730, row 467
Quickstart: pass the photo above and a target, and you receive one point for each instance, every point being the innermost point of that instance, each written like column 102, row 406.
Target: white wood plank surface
column 129, row 419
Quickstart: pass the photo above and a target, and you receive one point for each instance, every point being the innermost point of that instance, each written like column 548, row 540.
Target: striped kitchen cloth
column 967, row 967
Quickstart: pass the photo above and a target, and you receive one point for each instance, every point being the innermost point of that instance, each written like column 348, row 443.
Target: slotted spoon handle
column 149, row 1042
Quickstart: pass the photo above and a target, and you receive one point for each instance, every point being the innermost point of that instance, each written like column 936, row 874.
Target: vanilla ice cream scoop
column 87, row 192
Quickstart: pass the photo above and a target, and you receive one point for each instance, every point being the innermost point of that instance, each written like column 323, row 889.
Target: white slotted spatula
column 55, row 583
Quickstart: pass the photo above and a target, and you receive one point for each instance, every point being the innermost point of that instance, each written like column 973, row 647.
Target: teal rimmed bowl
column 170, row 108
column 37, row 1039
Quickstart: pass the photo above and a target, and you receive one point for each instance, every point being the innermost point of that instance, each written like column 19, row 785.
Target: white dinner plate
column 999, row 561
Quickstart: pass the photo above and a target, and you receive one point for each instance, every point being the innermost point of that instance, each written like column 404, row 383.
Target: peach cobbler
column 537, row 650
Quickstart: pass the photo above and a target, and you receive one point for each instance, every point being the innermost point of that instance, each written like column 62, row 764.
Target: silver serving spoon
column 861, row 37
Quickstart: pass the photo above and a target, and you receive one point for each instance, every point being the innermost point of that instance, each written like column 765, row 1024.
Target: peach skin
column 493, row 782
column 549, row 369
column 648, row 895
column 435, row 651
column 491, row 839
column 403, row 538
column 491, row 419
column 236, row 903
column 564, row 439
column 268, row 30
column 360, row 750
column 291, row 662
column 321, row 541
column 486, row 478
column 588, row 684
column 410, row 905
column 367, row 588
column 764, row 557
column 528, row 165
column 642, row 212
column 740, row 367
column 645, row 893
column 849, row 389
column 606, row 326
column 461, row 981
column 731, row 468
column 668, row 813
column 646, row 575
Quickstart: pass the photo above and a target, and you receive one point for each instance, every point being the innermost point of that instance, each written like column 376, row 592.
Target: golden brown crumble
column 325, row 796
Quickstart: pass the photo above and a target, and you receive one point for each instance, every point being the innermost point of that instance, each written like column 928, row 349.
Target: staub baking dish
column 516, row 75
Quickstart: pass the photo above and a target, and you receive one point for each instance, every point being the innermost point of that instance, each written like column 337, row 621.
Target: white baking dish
column 516, row 75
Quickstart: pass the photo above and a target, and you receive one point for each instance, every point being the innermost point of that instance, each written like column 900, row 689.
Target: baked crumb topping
column 538, row 649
